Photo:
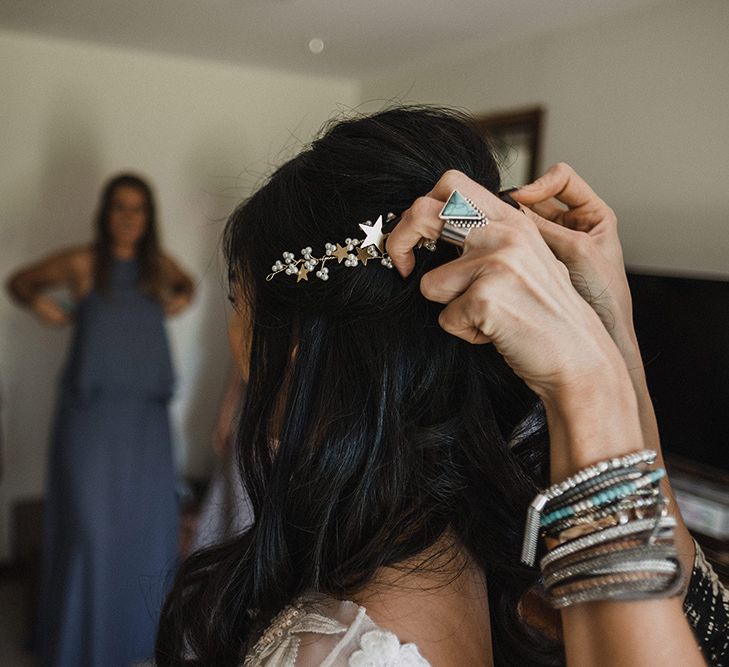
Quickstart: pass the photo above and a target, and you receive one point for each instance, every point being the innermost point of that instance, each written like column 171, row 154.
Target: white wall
column 637, row 104
column 71, row 115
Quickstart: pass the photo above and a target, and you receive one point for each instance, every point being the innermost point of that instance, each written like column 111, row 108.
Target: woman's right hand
column 508, row 288
column 49, row 312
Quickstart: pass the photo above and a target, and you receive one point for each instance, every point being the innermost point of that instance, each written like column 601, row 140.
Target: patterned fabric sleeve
column 707, row 608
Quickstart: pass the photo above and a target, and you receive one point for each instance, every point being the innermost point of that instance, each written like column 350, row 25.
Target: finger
column 419, row 221
column 550, row 210
column 448, row 281
column 457, row 319
column 579, row 219
column 563, row 242
column 561, row 182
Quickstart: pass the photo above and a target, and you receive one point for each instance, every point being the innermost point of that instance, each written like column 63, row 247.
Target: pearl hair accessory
column 352, row 253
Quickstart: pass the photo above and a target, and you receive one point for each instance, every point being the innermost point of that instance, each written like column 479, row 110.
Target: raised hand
column 508, row 288
column 582, row 232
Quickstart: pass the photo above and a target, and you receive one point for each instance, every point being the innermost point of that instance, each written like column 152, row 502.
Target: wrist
column 591, row 421
column 623, row 334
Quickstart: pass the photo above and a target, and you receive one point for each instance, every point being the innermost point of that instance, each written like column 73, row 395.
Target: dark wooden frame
column 524, row 120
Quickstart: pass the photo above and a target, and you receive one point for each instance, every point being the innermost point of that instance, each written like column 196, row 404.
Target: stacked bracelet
column 613, row 538
column 610, row 495
column 619, row 512
column 628, row 586
column 534, row 513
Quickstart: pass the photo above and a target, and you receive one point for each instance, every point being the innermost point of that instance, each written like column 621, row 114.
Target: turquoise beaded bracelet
column 603, row 497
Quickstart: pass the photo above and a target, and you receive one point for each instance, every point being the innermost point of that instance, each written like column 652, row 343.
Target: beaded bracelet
column 604, row 497
column 609, row 478
column 619, row 510
column 664, row 525
column 534, row 512
column 614, row 538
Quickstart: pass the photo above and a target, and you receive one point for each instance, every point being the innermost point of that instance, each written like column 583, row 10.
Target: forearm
column 647, row 633
column 601, row 421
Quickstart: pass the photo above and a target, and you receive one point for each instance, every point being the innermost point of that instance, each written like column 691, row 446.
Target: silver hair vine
column 351, row 254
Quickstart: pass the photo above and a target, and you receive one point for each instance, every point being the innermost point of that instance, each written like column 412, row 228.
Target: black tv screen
column 683, row 330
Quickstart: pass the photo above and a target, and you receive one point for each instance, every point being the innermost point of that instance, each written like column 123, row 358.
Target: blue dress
column 110, row 531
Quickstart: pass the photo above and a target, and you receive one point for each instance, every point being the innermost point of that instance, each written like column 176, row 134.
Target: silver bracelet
column 596, row 484
column 619, row 545
column 657, row 564
column 642, row 502
column 534, row 512
column 632, row 527
column 646, row 589
column 618, row 555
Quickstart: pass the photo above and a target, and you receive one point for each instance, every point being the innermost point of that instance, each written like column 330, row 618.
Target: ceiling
column 361, row 37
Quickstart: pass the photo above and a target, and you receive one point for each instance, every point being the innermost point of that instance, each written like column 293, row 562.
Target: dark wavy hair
column 392, row 434
column 148, row 249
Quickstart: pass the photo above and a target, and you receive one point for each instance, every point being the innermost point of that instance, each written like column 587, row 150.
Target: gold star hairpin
column 352, row 253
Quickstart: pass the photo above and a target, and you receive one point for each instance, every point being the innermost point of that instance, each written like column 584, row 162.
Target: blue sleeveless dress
column 110, row 529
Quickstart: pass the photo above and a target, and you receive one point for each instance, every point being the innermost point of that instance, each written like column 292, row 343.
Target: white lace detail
column 304, row 635
column 279, row 644
column 380, row 648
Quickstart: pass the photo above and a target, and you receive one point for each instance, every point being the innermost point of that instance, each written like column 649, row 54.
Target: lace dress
column 329, row 633
column 319, row 631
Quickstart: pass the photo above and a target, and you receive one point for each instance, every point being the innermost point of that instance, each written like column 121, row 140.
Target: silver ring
column 461, row 215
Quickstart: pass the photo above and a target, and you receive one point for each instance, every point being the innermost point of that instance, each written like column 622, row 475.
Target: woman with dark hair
column 409, row 434
column 110, row 510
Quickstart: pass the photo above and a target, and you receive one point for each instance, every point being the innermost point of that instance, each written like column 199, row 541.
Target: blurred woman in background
column 110, row 530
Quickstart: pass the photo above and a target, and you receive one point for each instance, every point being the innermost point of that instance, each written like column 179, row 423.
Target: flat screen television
column 682, row 325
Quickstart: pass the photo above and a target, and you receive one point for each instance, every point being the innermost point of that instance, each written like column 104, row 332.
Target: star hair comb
column 353, row 252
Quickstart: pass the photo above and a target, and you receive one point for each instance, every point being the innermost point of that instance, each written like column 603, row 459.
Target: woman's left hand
column 582, row 232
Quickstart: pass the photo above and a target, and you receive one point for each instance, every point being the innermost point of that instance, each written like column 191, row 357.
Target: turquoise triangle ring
column 461, row 215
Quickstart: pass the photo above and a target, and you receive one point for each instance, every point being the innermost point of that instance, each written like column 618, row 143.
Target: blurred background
column 205, row 98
